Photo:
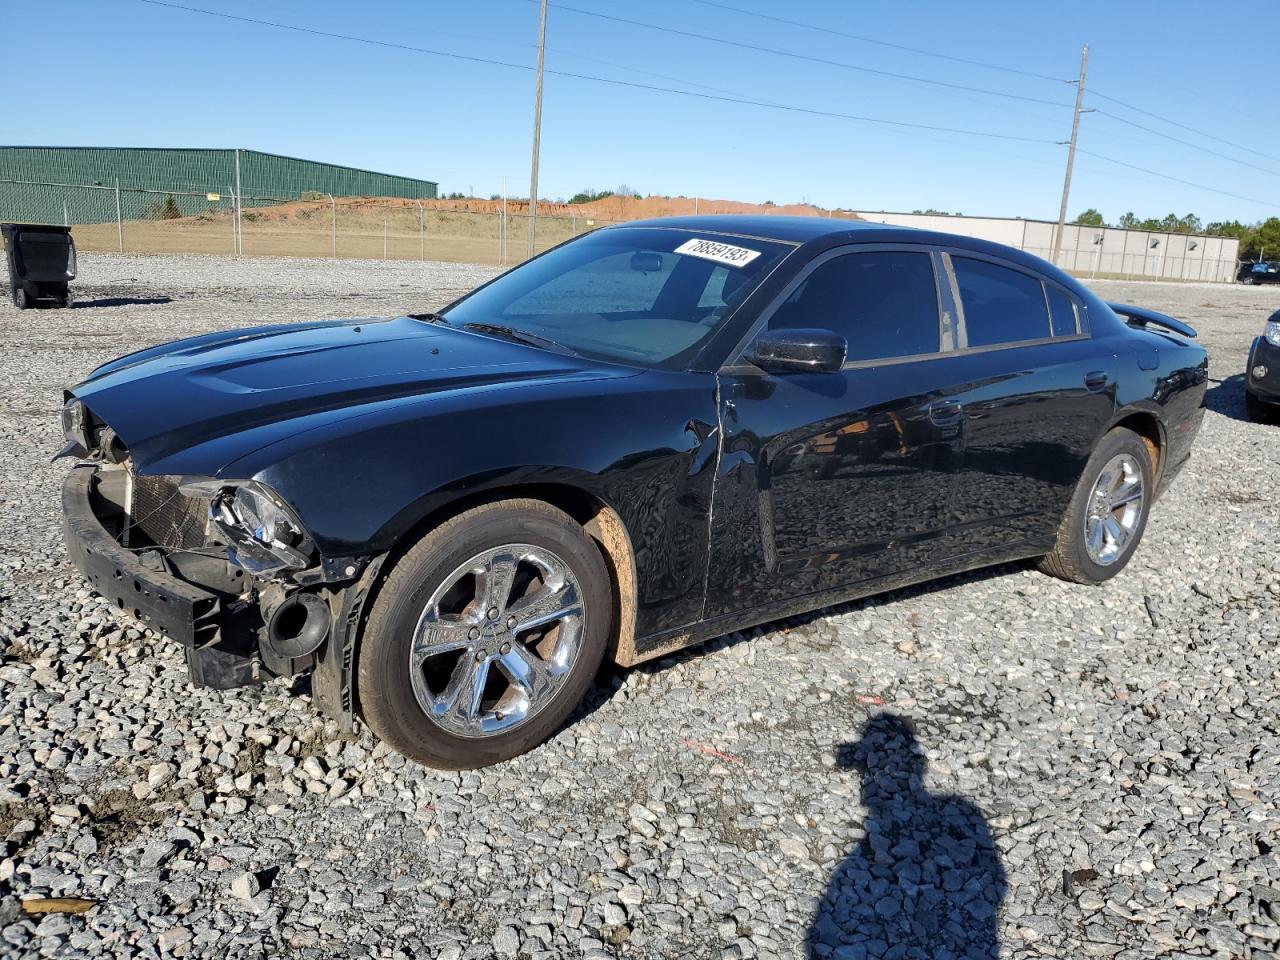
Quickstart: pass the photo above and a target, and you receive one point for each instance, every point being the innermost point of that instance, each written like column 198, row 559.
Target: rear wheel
column 1108, row 511
column 20, row 299
column 485, row 635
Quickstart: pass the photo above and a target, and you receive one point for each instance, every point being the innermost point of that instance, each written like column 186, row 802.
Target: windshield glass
column 641, row 295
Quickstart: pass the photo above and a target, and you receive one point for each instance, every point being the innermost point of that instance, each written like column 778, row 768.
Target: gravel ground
column 1073, row 772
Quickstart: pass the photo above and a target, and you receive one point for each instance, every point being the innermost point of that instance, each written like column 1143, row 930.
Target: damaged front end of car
column 223, row 567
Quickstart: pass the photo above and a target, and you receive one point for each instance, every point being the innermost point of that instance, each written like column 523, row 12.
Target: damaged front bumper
column 184, row 612
column 236, row 628
column 1262, row 372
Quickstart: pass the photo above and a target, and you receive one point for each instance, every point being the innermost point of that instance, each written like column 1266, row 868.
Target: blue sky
column 128, row 73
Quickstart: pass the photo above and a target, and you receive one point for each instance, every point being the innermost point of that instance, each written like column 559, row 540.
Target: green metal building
column 78, row 184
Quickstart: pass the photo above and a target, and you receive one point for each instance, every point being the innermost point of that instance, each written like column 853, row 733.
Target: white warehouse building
column 1093, row 251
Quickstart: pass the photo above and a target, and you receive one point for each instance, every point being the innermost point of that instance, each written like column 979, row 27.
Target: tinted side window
column 884, row 303
column 1000, row 305
column 1062, row 312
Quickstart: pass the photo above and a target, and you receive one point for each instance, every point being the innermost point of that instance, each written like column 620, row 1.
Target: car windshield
column 641, row 295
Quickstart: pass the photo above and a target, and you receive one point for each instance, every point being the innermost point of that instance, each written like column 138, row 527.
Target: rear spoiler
column 1142, row 317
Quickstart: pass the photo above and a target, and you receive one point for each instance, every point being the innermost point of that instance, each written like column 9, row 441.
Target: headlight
column 1271, row 332
column 75, row 423
column 262, row 533
column 265, row 519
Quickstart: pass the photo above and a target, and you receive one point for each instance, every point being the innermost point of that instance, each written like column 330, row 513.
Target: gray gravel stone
column 506, row 942
column 245, row 886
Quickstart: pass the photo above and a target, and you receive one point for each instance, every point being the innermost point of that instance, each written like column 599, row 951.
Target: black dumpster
column 42, row 259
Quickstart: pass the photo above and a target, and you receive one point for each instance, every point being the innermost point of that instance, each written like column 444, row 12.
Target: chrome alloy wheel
column 496, row 640
column 1114, row 510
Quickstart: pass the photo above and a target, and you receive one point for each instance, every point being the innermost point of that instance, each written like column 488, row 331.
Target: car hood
column 169, row 398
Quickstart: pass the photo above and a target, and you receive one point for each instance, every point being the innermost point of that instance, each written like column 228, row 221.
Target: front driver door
column 830, row 479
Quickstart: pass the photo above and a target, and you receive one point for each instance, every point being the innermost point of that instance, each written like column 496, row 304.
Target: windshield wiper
column 521, row 336
column 428, row 317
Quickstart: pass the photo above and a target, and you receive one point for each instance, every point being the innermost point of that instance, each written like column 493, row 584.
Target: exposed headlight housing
column 262, row 533
column 75, row 424
column 1271, row 332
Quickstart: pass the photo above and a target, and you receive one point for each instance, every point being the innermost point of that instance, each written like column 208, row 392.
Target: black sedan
column 651, row 435
column 1261, row 272
column 1262, row 374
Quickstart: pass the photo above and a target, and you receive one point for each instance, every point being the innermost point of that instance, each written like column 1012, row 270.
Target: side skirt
column 657, row 645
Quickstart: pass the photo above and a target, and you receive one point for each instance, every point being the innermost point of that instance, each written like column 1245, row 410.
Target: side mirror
column 798, row 351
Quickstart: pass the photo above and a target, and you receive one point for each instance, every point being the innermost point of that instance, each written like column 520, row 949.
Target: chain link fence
column 109, row 218
column 106, row 217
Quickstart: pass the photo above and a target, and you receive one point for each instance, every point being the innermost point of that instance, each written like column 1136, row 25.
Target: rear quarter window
column 1062, row 312
column 1000, row 305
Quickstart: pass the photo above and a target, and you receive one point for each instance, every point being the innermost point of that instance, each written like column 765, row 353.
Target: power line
column 1165, row 176
column 880, row 43
column 650, row 73
column 789, row 108
column 853, row 36
column 1185, row 143
column 1208, row 136
column 743, row 45
column 342, row 36
column 401, row 26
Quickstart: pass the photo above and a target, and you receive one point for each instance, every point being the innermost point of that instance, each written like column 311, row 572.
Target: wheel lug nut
column 481, row 656
column 493, row 613
column 505, row 648
column 511, row 623
column 474, row 633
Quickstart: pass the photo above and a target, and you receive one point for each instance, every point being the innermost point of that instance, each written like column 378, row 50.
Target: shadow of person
column 926, row 881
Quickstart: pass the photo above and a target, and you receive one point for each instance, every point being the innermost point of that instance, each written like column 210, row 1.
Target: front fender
column 636, row 445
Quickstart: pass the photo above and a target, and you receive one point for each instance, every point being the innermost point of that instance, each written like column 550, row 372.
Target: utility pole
column 239, row 210
column 1071, row 157
column 537, row 128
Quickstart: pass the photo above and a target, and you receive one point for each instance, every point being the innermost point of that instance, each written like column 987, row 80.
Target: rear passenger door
column 1035, row 397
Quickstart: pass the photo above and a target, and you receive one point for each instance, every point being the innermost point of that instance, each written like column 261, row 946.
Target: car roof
column 787, row 229
column 802, row 230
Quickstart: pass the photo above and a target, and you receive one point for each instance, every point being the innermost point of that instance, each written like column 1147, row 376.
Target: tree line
column 1256, row 239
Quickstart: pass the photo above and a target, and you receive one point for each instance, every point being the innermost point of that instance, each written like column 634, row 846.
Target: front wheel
column 20, row 298
column 1108, row 511
column 485, row 636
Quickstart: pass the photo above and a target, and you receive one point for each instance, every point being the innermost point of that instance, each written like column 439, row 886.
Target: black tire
column 1260, row 412
column 384, row 685
column 1070, row 559
column 20, row 299
column 65, row 301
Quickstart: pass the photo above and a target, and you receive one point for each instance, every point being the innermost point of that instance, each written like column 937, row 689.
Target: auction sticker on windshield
column 727, row 254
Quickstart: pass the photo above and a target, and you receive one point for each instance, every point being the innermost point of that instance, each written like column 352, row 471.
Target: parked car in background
column 1261, row 272
column 653, row 434
column 1262, row 374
